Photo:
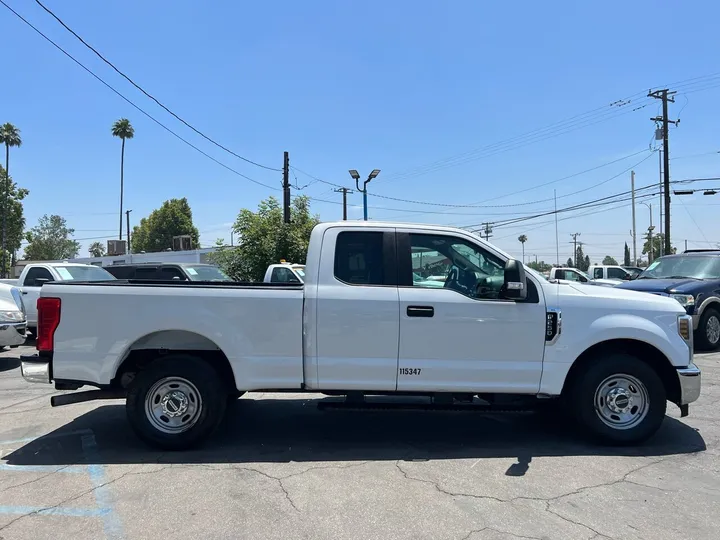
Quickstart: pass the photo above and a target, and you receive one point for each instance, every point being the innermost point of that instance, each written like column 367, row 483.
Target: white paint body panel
column 334, row 336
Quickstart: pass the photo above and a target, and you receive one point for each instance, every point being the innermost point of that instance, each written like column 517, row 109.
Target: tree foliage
column 51, row 240
column 15, row 216
column 264, row 239
column 658, row 240
column 541, row 266
column 626, row 257
column 608, row 260
column 570, row 263
column 97, row 249
column 155, row 232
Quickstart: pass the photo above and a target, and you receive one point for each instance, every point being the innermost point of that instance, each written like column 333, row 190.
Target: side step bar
column 87, row 395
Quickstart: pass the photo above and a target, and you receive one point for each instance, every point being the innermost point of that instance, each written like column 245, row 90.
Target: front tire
column 707, row 335
column 176, row 403
column 619, row 399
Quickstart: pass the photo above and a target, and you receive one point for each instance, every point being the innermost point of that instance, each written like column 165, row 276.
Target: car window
column 206, row 273
column 454, row 263
column 281, row 274
column 34, row 273
column 83, row 273
column 146, row 272
column 359, row 258
column 168, row 273
column 617, row 273
column 597, row 273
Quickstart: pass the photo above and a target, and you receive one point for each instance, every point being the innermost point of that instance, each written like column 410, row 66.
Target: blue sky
column 398, row 86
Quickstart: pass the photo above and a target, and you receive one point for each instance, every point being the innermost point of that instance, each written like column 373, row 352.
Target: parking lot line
column 44, row 511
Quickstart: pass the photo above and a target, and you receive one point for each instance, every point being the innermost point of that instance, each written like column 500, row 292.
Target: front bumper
column 12, row 334
column 689, row 378
column 35, row 369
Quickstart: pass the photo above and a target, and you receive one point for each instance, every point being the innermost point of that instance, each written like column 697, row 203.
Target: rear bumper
column 12, row 334
column 35, row 369
column 689, row 378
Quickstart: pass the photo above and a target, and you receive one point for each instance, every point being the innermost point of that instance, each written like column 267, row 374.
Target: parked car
column 574, row 274
column 168, row 272
column 693, row 279
column 635, row 271
column 285, row 272
column 607, row 271
column 35, row 275
column 360, row 326
column 13, row 320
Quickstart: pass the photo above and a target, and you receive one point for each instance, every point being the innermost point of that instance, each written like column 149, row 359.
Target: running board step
column 400, row 406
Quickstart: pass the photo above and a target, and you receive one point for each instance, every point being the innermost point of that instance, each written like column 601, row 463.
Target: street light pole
column 356, row 176
column 650, row 230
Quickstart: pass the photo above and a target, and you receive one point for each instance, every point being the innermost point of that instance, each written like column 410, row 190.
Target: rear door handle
column 24, row 292
column 420, row 311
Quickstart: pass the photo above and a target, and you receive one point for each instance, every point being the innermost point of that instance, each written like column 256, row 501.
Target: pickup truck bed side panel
column 259, row 330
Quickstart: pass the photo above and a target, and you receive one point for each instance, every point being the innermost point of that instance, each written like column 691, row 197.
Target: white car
column 358, row 326
column 12, row 317
column 285, row 273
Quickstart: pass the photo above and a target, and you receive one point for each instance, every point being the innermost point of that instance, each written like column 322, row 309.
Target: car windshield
column 206, row 273
column 691, row 266
column 300, row 271
column 83, row 273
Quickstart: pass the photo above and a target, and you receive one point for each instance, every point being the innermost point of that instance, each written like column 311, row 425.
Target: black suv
column 167, row 272
column 693, row 279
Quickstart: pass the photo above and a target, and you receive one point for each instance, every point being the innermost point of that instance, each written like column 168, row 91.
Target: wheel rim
column 173, row 405
column 621, row 401
column 712, row 329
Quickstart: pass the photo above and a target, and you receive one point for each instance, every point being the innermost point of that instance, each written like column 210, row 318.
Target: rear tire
column 618, row 399
column 707, row 335
column 176, row 402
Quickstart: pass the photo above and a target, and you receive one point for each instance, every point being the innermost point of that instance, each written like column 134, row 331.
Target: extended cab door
column 357, row 326
column 456, row 332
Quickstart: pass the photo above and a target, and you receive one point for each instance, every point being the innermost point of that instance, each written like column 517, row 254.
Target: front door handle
column 24, row 292
column 420, row 311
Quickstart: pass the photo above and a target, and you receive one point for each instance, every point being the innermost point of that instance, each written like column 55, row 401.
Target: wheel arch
column 642, row 350
column 165, row 343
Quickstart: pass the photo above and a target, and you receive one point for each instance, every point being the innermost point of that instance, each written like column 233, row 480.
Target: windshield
column 206, row 273
column 83, row 273
column 692, row 266
column 300, row 271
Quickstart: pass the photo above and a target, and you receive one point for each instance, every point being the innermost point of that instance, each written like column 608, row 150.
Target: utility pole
column 127, row 221
column 575, row 242
column 286, row 188
column 487, row 230
column 231, row 237
column 665, row 95
column 685, row 245
column 557, row 238
column 660, row 191
column 344, row 191
column 634, row 235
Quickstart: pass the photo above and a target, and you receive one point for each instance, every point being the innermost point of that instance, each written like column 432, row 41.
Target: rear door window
column 168, row 273
column 144, row 272
column 359, row 258
column 35, row 273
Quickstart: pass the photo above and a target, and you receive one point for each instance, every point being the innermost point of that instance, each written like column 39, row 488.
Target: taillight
column 48, row 321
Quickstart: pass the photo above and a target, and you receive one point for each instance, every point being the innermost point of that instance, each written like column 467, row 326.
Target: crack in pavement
column 467, row 537
column 35, row 480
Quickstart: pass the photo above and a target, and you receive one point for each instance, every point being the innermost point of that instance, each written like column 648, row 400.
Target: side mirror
column 39, row 282
column 515, row 284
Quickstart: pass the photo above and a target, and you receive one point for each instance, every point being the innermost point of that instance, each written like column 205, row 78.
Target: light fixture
column 683, row 192
column 709, row 192
column 354, row 174
column 374, row 174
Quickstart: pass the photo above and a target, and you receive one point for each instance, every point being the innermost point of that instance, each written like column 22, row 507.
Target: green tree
column 97, row 249
column 626, row 258
column 51, row 240
column 15, row 216
column 155, row 232
column 608, row 260
column 9, row 136
column 583, row 262
column 658, row 241
column 586, row 263
column 570, row 263
column 541, row 266
column 264, row 239
column 522, row 239
column 123, row 129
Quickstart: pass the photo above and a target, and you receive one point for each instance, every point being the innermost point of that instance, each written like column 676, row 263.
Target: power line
column 131, row 102
column 58, row 19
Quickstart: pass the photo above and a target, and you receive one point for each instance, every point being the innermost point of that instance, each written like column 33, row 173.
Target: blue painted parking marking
column 105, row 508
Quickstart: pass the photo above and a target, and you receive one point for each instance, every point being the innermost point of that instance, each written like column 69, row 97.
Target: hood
column 620, row 300
column 682, row 285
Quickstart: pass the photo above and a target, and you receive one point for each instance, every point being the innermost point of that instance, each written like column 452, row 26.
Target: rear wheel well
column 139, row 359
column 639, row 349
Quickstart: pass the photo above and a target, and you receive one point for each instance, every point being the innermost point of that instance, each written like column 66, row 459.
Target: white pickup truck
column 35, row 275
column 361, row 325
column 573, row 274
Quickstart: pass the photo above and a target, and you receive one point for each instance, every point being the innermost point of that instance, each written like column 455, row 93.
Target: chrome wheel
column 621, row 401
column 173, row 405
column 712, row 329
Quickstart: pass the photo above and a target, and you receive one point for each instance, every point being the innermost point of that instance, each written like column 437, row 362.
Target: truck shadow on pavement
column 284, row 430
column 8, row 363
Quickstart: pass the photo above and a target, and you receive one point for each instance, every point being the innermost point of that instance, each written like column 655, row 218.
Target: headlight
column 11, row 316
column 684, row 299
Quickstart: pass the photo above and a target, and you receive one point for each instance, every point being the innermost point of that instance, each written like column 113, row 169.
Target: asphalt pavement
column 282, row 469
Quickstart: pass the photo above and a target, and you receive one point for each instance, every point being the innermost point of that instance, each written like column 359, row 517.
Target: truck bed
column 258, row 326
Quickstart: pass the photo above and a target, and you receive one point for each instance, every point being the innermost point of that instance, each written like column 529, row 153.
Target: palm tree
column 9, row 136
column 123, row 129
column 522, row 239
